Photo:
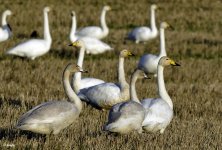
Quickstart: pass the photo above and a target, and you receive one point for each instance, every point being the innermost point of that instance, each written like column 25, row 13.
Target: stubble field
column 195, row 87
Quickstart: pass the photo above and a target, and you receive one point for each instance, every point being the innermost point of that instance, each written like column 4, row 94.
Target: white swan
column 92, row 45
column 94, row 31
column 5, row 30
column 128, row 116
column 52, row 117
column 149, row 62
column 77, row 81
column 35, row 47
column 106, row 95
column 143, row 34
column 159, row 110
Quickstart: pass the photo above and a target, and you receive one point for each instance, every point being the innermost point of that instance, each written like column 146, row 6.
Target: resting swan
column 159, row 110
column 5, row 30
column 127, row 116
column 77, row 81
column 35, row 47
column 149, row 62
column 143, row 34
column 52, row 117
column 92, row 45
column 106, row 95
column 94, row 31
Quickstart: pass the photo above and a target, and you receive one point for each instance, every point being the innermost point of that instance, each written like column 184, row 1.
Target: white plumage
column 5, row 30
column 35, row 47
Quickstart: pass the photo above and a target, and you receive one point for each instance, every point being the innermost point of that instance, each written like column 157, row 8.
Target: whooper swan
column 52, row 117
column 5, row 30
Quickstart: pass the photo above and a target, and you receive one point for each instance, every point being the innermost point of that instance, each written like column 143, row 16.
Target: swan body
column 127, row 116
column 35, row 47
column 106, row 95
column 143, row 34
column 78, row 82
column 5, row 30
column 94, row 31
column 149, row 62
column 92, row 45
column 53, row 116
column 159, row 111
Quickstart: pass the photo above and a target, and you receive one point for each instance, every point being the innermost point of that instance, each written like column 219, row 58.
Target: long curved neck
column 153, row 21
column 4, row 22
column 69, row 92
column 162, row 43
column 103, row 22
column 78, row 75
column 121, row 74
column 72, row 36
column 47, row 35
column 161, row 86
column 133, row 94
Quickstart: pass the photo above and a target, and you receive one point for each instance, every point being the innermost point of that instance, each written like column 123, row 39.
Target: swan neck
column 162, row 43
column 121, row 74
column 133, row 94
column 4, row 22
column 73, row 30
column 103, row 22
column 161, row 86
column 69, row 92
column 47, row 35
column 153, row 21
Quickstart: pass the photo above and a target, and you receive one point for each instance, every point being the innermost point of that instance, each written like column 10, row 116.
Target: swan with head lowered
column 127, row 116
column 92, row 45
column 94, row 31
column 106, row 95
column 51, row 117
column 159, row 111
column 143, row 34
column 149, row 62
column 81, row 84
column 5, row 30
column 35, row 47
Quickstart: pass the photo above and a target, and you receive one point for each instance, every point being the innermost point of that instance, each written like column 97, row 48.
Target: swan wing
column 139, row 33
column 88, row 82
column 148, row 63
column 92, row 31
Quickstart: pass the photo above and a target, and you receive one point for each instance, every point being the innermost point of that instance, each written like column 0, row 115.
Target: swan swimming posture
column 35, row 47
column 94, row 31
column 159, row 110
column 5, row 30
column 106, row 95
column 143, row 34
column 79, row 83
column 92, row 45
column 52, row 117
column 149, row 62
column 127, row 116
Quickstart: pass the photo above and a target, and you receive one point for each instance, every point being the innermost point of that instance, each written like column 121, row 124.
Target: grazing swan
column 92, row 45
column 79, row 83
column 35, row 47
column 106, row 95
column 94, row 31
column 143, row 34
column 5, row 30
column 52, row 117
column 149, row 62
column 127, row 116
column 159, row 110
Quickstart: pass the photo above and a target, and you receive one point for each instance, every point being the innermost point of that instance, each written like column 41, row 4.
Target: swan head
column 7, row 12
column 78, row 43
column 141, row 74
column 46, row 9
column 73, row 13
column 154, row 7
column 165, row 25
column 74, row 68
column 106, row 8
column 126, row 53
column 166, row 61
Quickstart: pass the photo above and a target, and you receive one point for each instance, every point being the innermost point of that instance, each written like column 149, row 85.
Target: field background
column 195, row 87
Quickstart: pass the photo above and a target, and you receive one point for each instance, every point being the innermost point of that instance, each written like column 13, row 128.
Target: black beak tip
column 70, row 45
column 177, row 64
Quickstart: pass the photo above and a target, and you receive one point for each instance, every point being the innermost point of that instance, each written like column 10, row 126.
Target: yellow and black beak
column 130, row 53
column 173, row 63
column 75, row 44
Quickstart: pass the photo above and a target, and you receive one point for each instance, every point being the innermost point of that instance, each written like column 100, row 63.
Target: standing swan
column 5, row 30
column 92, row 45
column 143, row 34
column 127, row 116
column 106, row 95
column 52, row 117
column 35, row 47
column 159, row 110
column 79, row 83
column 94, row 31
column 149, row 62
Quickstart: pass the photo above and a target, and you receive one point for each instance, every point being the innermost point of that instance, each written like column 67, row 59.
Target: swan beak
column 83, row 71
column 145, row 76
column 173, row 63
column 130, row 54
column 170, row 27
column 75, row 44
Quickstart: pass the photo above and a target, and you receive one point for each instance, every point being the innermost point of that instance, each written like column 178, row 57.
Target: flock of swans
column 127, row 112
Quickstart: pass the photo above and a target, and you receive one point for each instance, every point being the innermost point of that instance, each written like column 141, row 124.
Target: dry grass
column 195, row 87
